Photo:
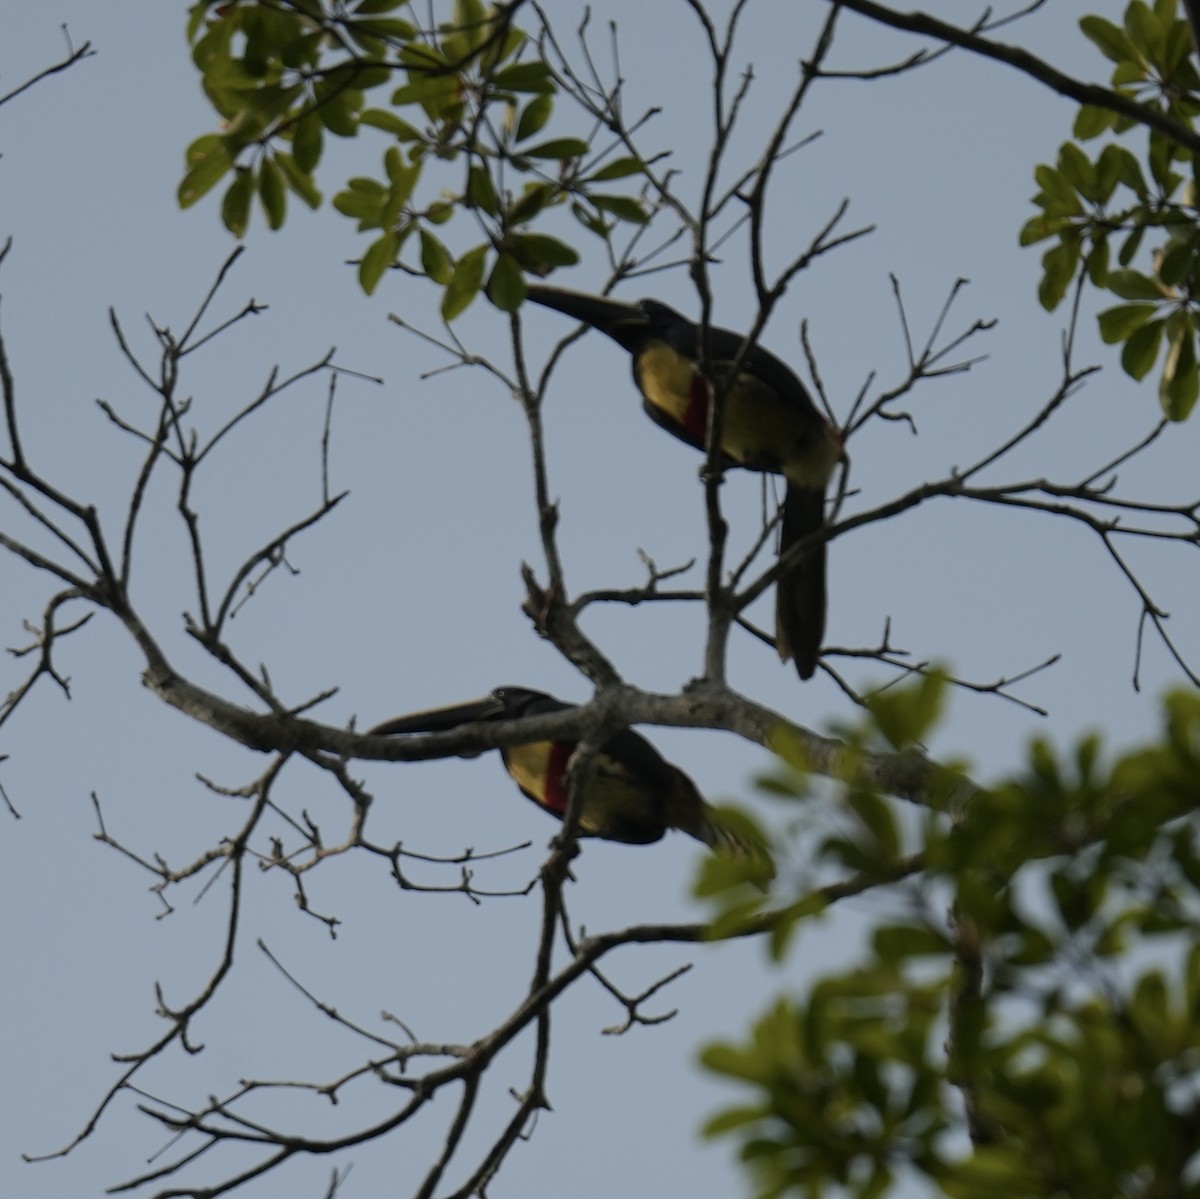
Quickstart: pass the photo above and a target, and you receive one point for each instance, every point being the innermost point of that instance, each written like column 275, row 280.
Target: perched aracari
column 770, row 424
column 633, row 794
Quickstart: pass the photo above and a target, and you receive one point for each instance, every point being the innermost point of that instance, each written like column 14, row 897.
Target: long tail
column 800, row 593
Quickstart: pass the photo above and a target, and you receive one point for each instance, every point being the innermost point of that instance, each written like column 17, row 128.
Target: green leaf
column 272, row 193
column 1145, row 32
column 539, row 253
column 1096, row 261
column 1133, row 285
column 1075, row 167
column 624, row 208
column 1177, row 262
column 1130, row 247
column 1058, row 269
column 308, row 138
column 501, row 49
column 423, row 89
column 561, row 148
column 1178, row 48
column 877, row 819
column 620, row 168
column 534, row 198
column 480, row 192
column 1111, row 40
column 1117, row 324
column 525, row 77
column 385, row 29
column 1127, row 74
column 380, row 255
column 363, row 200
column 470, row 23
column 208, row 161
column 1058, row 196
column 1142, row 349
column 1109, row 168
column 196, row 19
column 1131, row 175
column 1180, row 383
column 590, row 220
column 905, row 715
column 786, row 742
column 436, row 261
column 303, row 52
column 1038, row 228
column 235, row 206
column 337, row 107
column 894, row 943
column 1162, row 154
column 533, row 116
column 379, row 118
column 1091, row 121
column 300, row 182
column 464, row 287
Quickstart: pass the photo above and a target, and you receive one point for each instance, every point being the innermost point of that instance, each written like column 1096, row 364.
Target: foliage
column 465, row 126
column 1022, row 1016
column 1091, row 205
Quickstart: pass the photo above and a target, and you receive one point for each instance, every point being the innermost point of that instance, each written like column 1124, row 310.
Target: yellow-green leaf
column 533, row 116
column 272, row 193
column 464, row 287
column 505, row 285
column 525, row 77
column 380, row 255
column 208, row 162
column 1181, row 377
column 435, row 259
column 1116, row 324
column 307, row 141
column 539, row 252
column 624, row 208
column 1142, row 349
column 560, row 148
column 235, row 206
column 299, row 181
column 389, row 122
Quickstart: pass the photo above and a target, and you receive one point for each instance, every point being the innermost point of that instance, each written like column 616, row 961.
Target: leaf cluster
column 1097, row 207
column 464, row 108
column 1020, row 1020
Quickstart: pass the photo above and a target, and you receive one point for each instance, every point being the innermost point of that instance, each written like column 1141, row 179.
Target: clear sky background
column 408, row 596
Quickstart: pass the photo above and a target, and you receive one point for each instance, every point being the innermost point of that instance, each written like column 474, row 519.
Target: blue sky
column 409, row 595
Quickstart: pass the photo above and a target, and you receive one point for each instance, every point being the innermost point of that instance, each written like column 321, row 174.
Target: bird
column 770, row 425
column 633, row 795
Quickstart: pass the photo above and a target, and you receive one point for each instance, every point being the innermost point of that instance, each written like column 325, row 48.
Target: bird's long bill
column 440, row 720
column 609, row 316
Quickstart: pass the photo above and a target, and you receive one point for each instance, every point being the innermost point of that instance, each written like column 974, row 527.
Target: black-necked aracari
column 633, row 794
column 770, row 424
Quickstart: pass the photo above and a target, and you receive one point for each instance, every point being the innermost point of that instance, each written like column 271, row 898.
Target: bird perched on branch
column 632, row 795
column 770, row 424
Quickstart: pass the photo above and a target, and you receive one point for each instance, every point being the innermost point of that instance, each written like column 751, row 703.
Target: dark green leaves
column 1085, row 201
column 467, row 103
